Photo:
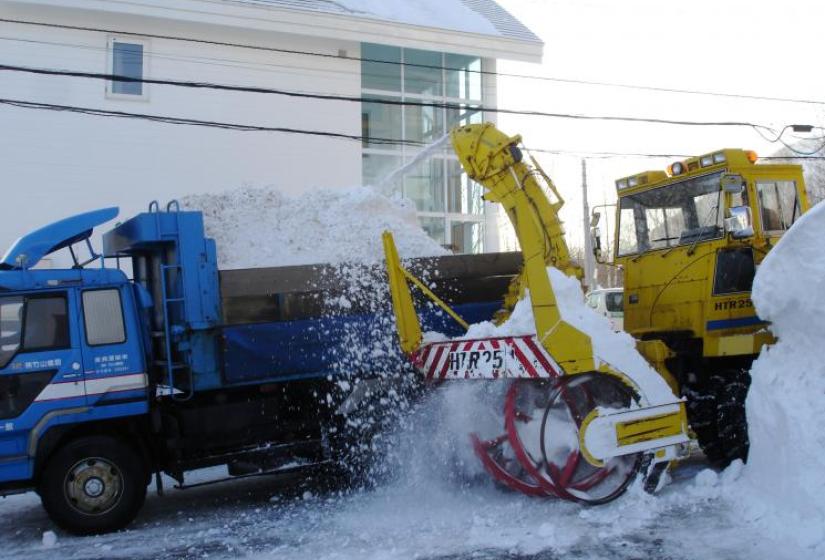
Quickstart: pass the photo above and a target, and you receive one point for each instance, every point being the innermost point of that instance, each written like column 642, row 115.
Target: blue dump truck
column 146, row 359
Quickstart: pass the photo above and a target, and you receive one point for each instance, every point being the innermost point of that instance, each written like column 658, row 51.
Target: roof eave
column 275, row 19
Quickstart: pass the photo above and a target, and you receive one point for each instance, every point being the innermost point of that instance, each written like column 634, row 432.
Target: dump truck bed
column 287, row 323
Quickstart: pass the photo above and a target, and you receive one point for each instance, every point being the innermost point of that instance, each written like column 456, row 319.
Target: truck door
column 112, row 357
column 40, row 364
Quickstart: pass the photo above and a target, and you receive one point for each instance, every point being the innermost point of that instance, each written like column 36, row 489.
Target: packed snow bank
column 256, row 227
column 618, row 349
column 783, row 485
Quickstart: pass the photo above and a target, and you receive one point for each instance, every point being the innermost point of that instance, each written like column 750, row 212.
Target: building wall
column 55, row 164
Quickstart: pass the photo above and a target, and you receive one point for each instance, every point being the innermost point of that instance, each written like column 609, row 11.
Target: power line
column 235, row 63
column 256, row 128
column 417, row 65
column 368, row 99
column 196, row 122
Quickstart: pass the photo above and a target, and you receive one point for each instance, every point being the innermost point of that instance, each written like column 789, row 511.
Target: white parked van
column 610, row 303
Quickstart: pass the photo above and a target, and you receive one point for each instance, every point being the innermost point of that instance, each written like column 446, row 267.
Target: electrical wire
column 354, row 137
column 369, row 99
column 778, row 138
column 415, row 65
column 197, row 122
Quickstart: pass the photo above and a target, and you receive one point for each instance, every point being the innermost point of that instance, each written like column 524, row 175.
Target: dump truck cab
column 689, row 240
column 72, row 348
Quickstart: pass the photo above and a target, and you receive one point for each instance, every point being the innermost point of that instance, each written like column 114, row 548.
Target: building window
column 449, row 205
column 127, row 58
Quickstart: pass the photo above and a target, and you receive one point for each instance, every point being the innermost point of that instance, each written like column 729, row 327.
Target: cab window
column 32, row 324
column 11, row 327
column 46, row 324
column 103, row 315
column 778, row 204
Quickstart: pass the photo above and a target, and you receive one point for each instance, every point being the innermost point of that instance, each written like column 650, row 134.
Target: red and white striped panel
column 487, row 358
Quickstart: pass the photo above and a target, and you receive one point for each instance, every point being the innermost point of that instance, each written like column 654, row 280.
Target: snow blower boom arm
column 494, row 160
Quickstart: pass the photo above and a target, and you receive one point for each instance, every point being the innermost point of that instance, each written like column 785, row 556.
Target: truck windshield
column 678, row 214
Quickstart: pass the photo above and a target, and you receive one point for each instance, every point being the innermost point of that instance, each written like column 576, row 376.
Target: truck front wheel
column 93, row 484
column 716, row 411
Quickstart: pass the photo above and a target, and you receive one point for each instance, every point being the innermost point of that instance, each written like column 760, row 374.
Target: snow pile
column 783, row 485
column 256, row 227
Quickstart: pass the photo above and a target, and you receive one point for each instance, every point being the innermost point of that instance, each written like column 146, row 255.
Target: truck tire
column 716, row 411
column 732, row 390
column 94, row 484
column 702, row 415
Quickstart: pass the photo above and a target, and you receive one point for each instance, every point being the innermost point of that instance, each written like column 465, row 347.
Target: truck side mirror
column 596, row 242
column 594, row 219
column 732, row 183
column 740, row 222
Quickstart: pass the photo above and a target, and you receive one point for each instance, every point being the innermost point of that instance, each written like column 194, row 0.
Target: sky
column 757, row 47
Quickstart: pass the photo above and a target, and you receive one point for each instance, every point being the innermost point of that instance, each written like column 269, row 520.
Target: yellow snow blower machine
column 580, row 420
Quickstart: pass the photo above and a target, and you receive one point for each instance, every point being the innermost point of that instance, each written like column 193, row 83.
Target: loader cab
column 689, row 239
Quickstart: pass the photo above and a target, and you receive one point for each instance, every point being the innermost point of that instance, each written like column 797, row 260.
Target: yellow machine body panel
column 686, row 272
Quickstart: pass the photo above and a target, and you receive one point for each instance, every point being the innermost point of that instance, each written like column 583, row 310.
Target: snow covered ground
column 268, row 519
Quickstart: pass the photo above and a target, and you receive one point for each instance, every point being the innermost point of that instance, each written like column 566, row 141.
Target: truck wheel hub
column 94, row 486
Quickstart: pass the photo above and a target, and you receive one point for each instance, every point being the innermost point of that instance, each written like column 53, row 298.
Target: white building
column 55, row 163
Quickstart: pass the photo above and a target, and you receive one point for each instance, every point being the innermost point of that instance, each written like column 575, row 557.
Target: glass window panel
column 423, row 124
column 465, row 114
column 422, row 72
column 379, row 120
column 463, row 76
column 614, row 301
column 103, row 317
column 467, row 237
column 377, row 167
column 11, row 325
column 678, row 214
column 463, row 194
column 46, row 324
column 424, row 185
column 127, row 60
column 627, row 233
column 381, row 68
column 778, row 204
column 435, row 228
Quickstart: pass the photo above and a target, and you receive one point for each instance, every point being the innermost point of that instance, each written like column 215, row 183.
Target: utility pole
column 589, row 259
